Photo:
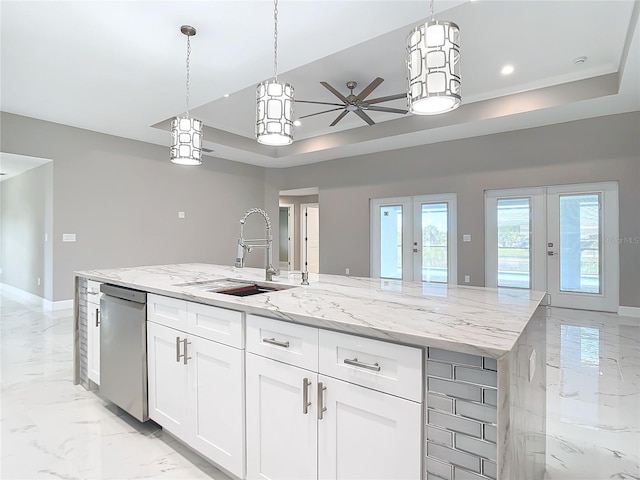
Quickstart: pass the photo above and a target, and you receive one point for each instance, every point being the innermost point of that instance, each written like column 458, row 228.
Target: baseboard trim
column 47, row 305
column 629, row 311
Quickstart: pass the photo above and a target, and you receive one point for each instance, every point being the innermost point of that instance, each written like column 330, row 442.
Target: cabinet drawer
column 383, row 366
column 166, row 311
column 283, row 341
column 215, row 323
column 93, row 291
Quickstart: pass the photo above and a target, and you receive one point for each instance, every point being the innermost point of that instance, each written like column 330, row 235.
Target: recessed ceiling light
column 226, row 95
column 297, row 123
column 507, row 70
column 579, row 60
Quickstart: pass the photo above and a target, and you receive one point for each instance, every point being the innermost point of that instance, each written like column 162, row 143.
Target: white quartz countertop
column 476, row 320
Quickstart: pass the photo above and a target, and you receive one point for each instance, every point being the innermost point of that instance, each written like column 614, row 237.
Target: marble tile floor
column 51, row 428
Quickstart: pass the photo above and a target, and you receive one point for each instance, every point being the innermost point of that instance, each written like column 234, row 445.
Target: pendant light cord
column 188, row 56
column 275, row 40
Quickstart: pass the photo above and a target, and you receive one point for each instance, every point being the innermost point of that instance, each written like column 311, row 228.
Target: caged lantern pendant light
column 433, row 67
column 274, row 109
column 186, row 131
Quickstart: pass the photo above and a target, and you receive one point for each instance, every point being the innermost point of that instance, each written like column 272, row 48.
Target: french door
column 414, row 238
column 555, row 239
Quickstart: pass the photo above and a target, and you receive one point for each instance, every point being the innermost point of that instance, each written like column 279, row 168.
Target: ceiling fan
column 356, row 103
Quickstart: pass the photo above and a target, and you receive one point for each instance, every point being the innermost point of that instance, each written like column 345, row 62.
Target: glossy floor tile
column 51, row 428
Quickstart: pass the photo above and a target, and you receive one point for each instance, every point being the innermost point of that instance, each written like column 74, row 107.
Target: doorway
column 555, row 239
column 310, row 237
column 414, row 238
column 292, row 228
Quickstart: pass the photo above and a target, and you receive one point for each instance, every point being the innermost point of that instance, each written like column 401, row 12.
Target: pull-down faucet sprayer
column 249, row 244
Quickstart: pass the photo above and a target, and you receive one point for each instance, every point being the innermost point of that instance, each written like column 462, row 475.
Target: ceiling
column 119, row 67
column 12, row 165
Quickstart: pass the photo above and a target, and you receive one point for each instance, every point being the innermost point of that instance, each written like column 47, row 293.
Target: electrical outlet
column 467, row 278
column 181, row 214
column 38, row 281
column 68, row 237
column 346, row 271
column 466, row 237
column 532, row 365
column 46, row 237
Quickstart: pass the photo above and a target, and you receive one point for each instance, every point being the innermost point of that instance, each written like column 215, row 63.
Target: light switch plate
column 68, row 237
column 466, row 237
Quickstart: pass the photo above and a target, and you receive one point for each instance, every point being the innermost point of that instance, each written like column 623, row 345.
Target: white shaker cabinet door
column 365, row 434
column 281, row 437
column 93, row 340
column 216, row 403
column 167, row 379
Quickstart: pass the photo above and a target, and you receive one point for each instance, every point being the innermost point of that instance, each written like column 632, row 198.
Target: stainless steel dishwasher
column 123, row 349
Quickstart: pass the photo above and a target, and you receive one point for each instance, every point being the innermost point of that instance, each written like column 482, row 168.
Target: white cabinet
column 93, row 331
column 167, row 379
column 196, row 385
column 281, row 432
column 304, row 423
column 364, row 434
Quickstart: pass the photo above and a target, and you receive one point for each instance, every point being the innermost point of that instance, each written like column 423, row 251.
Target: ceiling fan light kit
column 433, row 67
column 274, row 105
column 186, row 131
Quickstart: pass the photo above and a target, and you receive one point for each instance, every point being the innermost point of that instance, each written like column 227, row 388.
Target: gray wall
column 297, row 202
column 599, row 149
column 25, row 218
column 121, row 198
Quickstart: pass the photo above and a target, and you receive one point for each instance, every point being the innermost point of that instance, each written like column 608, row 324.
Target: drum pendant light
column 186, row 131
column 433, row 67
column 274, row 108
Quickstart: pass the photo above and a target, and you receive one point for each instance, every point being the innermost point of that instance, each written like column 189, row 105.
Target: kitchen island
column 482, row 371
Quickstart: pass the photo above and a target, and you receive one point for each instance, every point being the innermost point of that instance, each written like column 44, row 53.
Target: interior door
column 555, row 239
column 286, row 235
column 582, row 251
column 311, row 237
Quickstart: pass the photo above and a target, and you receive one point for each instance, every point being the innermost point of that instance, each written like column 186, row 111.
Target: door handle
column 321, row 407
column 185, row 356
column 551, row 253
column 97, row 317
column 305, row 396
column 415, row 250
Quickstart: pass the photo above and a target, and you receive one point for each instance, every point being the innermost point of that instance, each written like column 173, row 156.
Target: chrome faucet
column 249, row 244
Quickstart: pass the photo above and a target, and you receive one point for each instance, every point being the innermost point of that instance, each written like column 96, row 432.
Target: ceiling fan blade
column 338, row 118
column 387, row 99
column 320, row 113
column 319, row 103
column 385, row 109
column 370, row 88
column 334, row 91
column 364, row 117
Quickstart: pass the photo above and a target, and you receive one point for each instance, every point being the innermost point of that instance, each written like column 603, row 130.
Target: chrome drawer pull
column 278, row 343
column 375, row 367
column 178, row 349
column 185, row 355
column 321, row 407
column 305, row 395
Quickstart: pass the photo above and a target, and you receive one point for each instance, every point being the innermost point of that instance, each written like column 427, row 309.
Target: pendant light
column 433, row 67
column 186, row 131
column 274, row 109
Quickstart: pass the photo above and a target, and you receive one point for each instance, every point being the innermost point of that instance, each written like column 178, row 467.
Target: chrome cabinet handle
column 97, row 317
column 278, row 343
column 375, row 367
column 178, row 349
column 321, row 407
column 185, row 356
column 305, row 395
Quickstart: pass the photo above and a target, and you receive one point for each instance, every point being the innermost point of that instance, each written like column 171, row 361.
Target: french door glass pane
column 580, row 243
column 391, row 241
column 435, row 220
column 514, row 242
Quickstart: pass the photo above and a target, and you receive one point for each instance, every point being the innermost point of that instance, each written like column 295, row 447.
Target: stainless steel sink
column 234, row 286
